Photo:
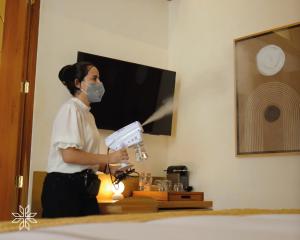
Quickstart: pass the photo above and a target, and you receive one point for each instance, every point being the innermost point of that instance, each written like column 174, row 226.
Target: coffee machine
column 179, row 174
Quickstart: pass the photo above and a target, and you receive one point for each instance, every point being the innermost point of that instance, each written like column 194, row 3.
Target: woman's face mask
column 94, row 92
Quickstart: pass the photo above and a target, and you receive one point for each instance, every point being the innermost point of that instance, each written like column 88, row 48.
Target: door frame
column 29, row 100
column 18, row 66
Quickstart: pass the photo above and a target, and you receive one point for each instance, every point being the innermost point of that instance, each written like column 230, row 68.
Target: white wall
column 201, row 34
column 135, row 30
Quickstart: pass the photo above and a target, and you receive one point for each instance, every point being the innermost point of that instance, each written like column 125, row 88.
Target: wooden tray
column 170, row 196
column 160, row 196
column 185, row 196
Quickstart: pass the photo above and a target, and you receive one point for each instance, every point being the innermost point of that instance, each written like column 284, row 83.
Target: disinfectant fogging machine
column 126, row 137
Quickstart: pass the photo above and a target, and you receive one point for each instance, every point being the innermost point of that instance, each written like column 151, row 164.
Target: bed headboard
column 37, row 186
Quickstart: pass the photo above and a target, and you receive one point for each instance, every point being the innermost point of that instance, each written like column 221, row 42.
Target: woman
column 70, row 187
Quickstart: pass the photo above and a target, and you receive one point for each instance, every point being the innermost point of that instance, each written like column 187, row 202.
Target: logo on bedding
column 24, row 217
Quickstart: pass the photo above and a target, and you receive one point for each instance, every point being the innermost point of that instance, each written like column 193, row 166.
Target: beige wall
column 201, row 34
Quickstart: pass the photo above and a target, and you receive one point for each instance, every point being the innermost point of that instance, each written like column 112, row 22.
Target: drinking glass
column 167, row 185
column 178, row 187
column 158, row 183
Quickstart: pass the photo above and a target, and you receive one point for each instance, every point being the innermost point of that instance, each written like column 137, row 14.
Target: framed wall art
column 267, row 71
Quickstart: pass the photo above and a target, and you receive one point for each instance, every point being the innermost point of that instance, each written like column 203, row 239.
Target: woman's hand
column 118, row 156
column 114, row 158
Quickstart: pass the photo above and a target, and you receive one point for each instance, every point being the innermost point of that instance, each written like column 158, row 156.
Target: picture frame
column 267, row 87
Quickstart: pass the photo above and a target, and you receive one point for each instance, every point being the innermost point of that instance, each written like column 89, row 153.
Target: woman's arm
column 76, row 156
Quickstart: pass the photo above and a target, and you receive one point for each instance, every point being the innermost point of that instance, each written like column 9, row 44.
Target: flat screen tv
column 133, row 92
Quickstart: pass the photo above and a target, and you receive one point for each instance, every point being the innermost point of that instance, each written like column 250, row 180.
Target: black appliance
column 179, row 174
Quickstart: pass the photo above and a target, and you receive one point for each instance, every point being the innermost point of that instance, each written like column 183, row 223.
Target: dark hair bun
column 67, row 74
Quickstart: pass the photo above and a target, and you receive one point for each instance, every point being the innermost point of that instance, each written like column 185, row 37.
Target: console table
column 146, row 204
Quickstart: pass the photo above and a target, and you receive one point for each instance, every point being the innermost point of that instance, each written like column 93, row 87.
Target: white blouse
column 74, row 126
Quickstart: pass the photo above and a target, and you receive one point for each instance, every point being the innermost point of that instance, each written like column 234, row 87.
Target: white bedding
column 254, row 227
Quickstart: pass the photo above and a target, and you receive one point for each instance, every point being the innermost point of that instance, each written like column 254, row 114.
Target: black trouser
column 64, row 195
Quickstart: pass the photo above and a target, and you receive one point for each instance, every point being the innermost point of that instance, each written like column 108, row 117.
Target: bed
column 193, row 224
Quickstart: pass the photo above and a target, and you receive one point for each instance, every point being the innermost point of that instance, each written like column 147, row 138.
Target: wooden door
column 17, row 72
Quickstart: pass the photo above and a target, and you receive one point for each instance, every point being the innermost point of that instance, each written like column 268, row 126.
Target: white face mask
column 94, row 92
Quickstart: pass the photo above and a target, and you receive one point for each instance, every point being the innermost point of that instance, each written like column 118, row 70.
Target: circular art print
column 270, row 60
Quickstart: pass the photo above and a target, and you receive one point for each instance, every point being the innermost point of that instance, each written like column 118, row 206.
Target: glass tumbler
column 178, row 187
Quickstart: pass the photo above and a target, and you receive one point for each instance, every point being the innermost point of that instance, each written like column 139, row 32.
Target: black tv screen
column 133, row 92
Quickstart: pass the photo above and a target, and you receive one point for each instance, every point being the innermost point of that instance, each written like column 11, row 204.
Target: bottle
column 142, row 179
column 148, row 182
column 140, row 152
